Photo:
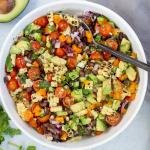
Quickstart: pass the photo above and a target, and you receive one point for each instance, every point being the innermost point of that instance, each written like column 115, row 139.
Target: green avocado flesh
column 17, row 9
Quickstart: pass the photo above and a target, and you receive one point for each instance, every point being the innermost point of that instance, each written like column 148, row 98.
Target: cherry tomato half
column 35, row 45
column 60, row 52
column 106, row 55
column 41, row 21
column 60, row 92
column 105, row 29
column 112, row 44
column 20, row 62
column 95, row 55
column 12, row 84
column 71, row 63
column 62, row 25
column 54, row 35
column 34, row 73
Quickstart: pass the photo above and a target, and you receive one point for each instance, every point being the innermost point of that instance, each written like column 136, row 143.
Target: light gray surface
column 137, row 14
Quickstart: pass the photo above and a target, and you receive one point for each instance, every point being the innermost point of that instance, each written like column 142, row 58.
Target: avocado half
column 10, row 9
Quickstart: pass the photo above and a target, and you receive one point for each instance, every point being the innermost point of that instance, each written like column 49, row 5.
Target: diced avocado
column 123, row 66
column 131, row 73
column 78, row 107
column 101, row 77
column 87, row 92
column 100, row 125
column 9, row 65
column 94, row 114
column 37, row 36
column 100, row 19
column 125, row 45
column 75, row 84
column 101, row 116
column 107, row 88
column 15, row 50
column 31, row 28
column 40, row 51
column 20, row 47
column 73, row 125
column 84, row 120
column 118, row 72
column 77, row 94
column 56, row 109
column 81, row 64
column 116, row 104
column 82, row 113
column 17, row 6
column 73, row 74
column 82, row 79
column 106, row 110
column 93, row 78
column 91, row 99
column 61, row 113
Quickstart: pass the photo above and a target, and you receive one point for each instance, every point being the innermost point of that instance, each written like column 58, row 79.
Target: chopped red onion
column 57, row 44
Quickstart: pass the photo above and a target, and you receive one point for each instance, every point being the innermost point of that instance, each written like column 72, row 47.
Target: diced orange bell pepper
column 59, row 119
column 28, row 115
column 42, row 92
column 89, row 36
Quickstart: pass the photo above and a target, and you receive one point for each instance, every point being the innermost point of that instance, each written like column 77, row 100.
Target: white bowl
column 75, row 6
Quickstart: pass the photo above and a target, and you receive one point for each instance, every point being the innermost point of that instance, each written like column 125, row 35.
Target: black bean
column 121, row 36
column 82, row 74
column 29, row 89
column 5, row 79
column 44, row 103
column 46, row 111
column 91, row 64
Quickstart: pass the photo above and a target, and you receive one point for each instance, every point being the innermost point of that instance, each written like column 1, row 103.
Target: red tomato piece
column 20, row 62
column 67, row 101
column 43, row 38
column 13, row 73
column 26, row 95
column 62, row 25
column 106, row 55
column 71, row 63
column 12, row 84
column 41, row 21
column 54, row 35
column 60, row 92
column 34, row 73
column 105, row 29
column 60, row 52
column 95, row 55
column 35, row 45
column 49, row 77
column 112, row 44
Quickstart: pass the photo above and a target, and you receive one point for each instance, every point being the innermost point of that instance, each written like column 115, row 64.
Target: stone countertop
column 137, row 14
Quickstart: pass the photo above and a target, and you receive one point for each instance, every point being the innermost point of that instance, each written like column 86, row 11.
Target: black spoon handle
column 124, row 57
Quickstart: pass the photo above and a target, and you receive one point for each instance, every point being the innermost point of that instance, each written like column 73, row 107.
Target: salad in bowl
column 62, row 85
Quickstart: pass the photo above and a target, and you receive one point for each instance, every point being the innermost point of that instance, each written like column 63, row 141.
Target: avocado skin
column 13, row 17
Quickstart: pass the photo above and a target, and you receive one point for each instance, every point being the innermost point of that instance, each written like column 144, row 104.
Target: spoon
column 105, row 48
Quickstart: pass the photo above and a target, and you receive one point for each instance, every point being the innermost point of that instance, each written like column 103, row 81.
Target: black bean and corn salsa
column 62, row 86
